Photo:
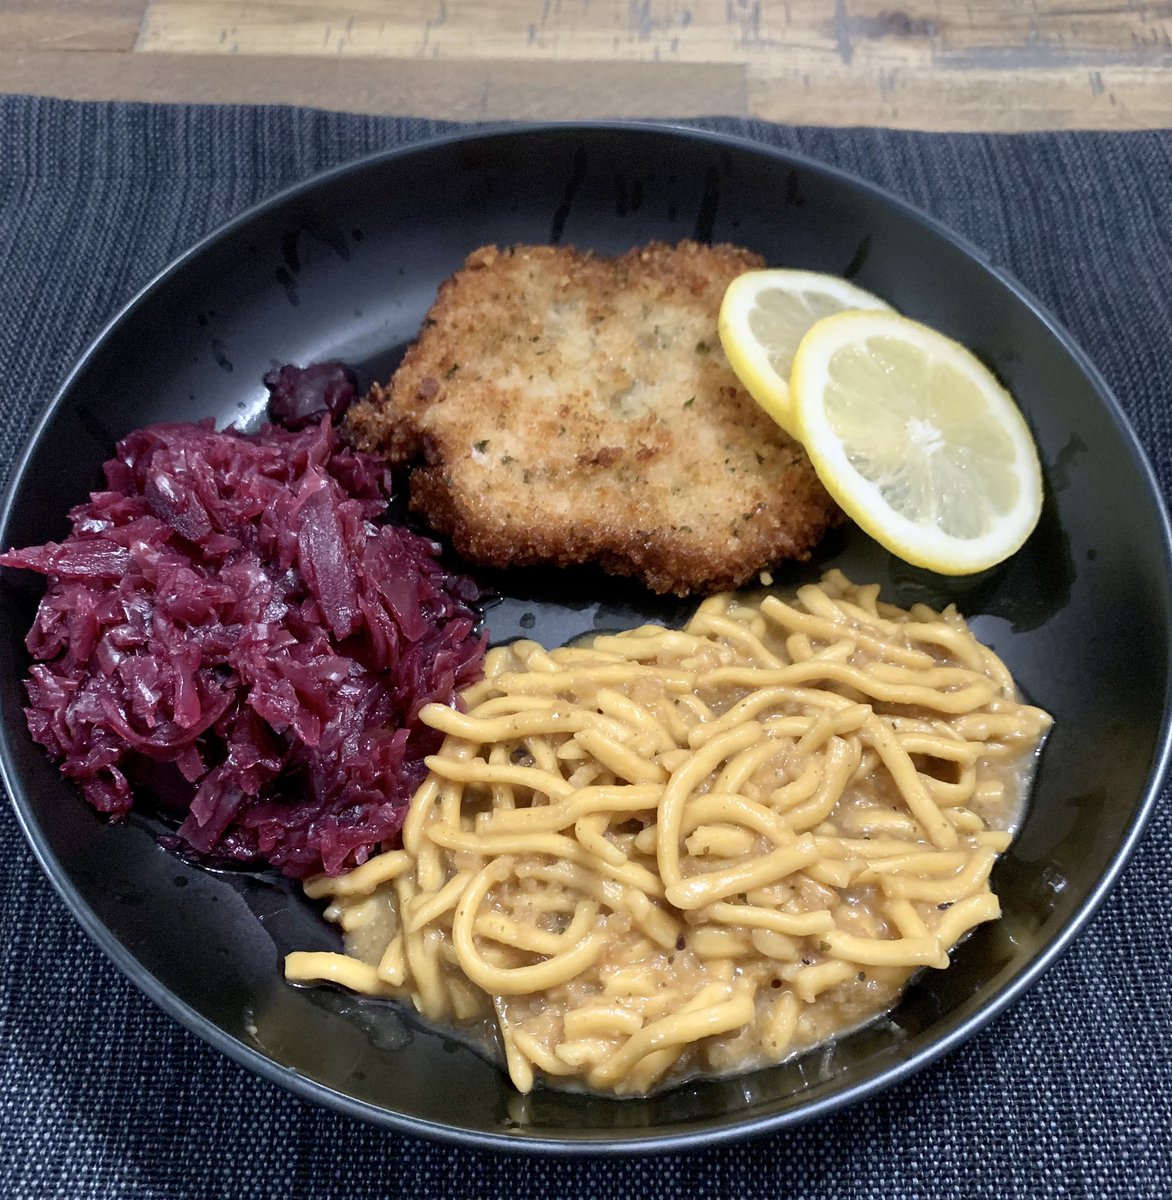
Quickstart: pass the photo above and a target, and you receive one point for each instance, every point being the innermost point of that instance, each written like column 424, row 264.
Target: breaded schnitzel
column 564, row 407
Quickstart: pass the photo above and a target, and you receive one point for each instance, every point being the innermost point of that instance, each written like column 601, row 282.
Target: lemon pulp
column 764, row 316
column 916, row 440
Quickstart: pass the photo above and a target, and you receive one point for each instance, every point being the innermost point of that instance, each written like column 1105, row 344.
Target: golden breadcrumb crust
column 564, row 407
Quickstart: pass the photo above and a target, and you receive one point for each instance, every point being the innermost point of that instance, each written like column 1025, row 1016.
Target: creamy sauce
column 885, row 884
column 871, row 994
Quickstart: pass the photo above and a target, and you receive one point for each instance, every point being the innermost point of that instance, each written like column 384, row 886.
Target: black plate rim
column 690, row 1137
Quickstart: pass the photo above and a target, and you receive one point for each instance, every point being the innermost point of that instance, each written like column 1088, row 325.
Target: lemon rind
column 920, row 545
column 748, row 360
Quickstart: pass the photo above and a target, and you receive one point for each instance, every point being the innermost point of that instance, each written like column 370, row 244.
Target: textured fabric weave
column 1067, row 1095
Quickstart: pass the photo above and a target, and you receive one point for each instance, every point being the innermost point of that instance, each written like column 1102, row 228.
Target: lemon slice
column 916, row 440
column 764, row 316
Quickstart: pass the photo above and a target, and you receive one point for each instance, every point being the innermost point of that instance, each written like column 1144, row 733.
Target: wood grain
column 70, row 24
column 476, row 92
column 930, row 64
column 972, row 99
column 988, row 33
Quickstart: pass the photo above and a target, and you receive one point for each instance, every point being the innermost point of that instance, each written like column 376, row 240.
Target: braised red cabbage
column 229, row 613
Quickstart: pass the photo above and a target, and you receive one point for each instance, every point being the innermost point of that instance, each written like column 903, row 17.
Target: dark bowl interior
column 345, row 267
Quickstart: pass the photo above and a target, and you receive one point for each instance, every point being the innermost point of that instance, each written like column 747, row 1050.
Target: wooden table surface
column 924, row 64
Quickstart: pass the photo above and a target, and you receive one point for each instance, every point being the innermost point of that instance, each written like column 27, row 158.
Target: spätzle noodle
column 670, row 853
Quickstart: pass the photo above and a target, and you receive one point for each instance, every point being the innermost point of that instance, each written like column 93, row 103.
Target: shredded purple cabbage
column 229, row 615
column 300, row 396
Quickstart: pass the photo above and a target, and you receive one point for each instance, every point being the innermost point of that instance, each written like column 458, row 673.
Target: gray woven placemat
column 1069, row 1094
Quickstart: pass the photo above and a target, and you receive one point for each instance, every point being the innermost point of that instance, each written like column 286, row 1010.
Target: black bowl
column 344, row 266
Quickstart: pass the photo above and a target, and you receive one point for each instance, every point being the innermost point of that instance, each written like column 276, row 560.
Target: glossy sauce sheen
column 836, row 1013
column 797, row 982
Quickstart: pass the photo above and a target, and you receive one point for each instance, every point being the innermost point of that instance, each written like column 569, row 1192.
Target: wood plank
column 994, row 34
column 70, row 24
column 902, row 98
column 1011, row 101
column 429, row 88
column 468, row 29
column 928, row 64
